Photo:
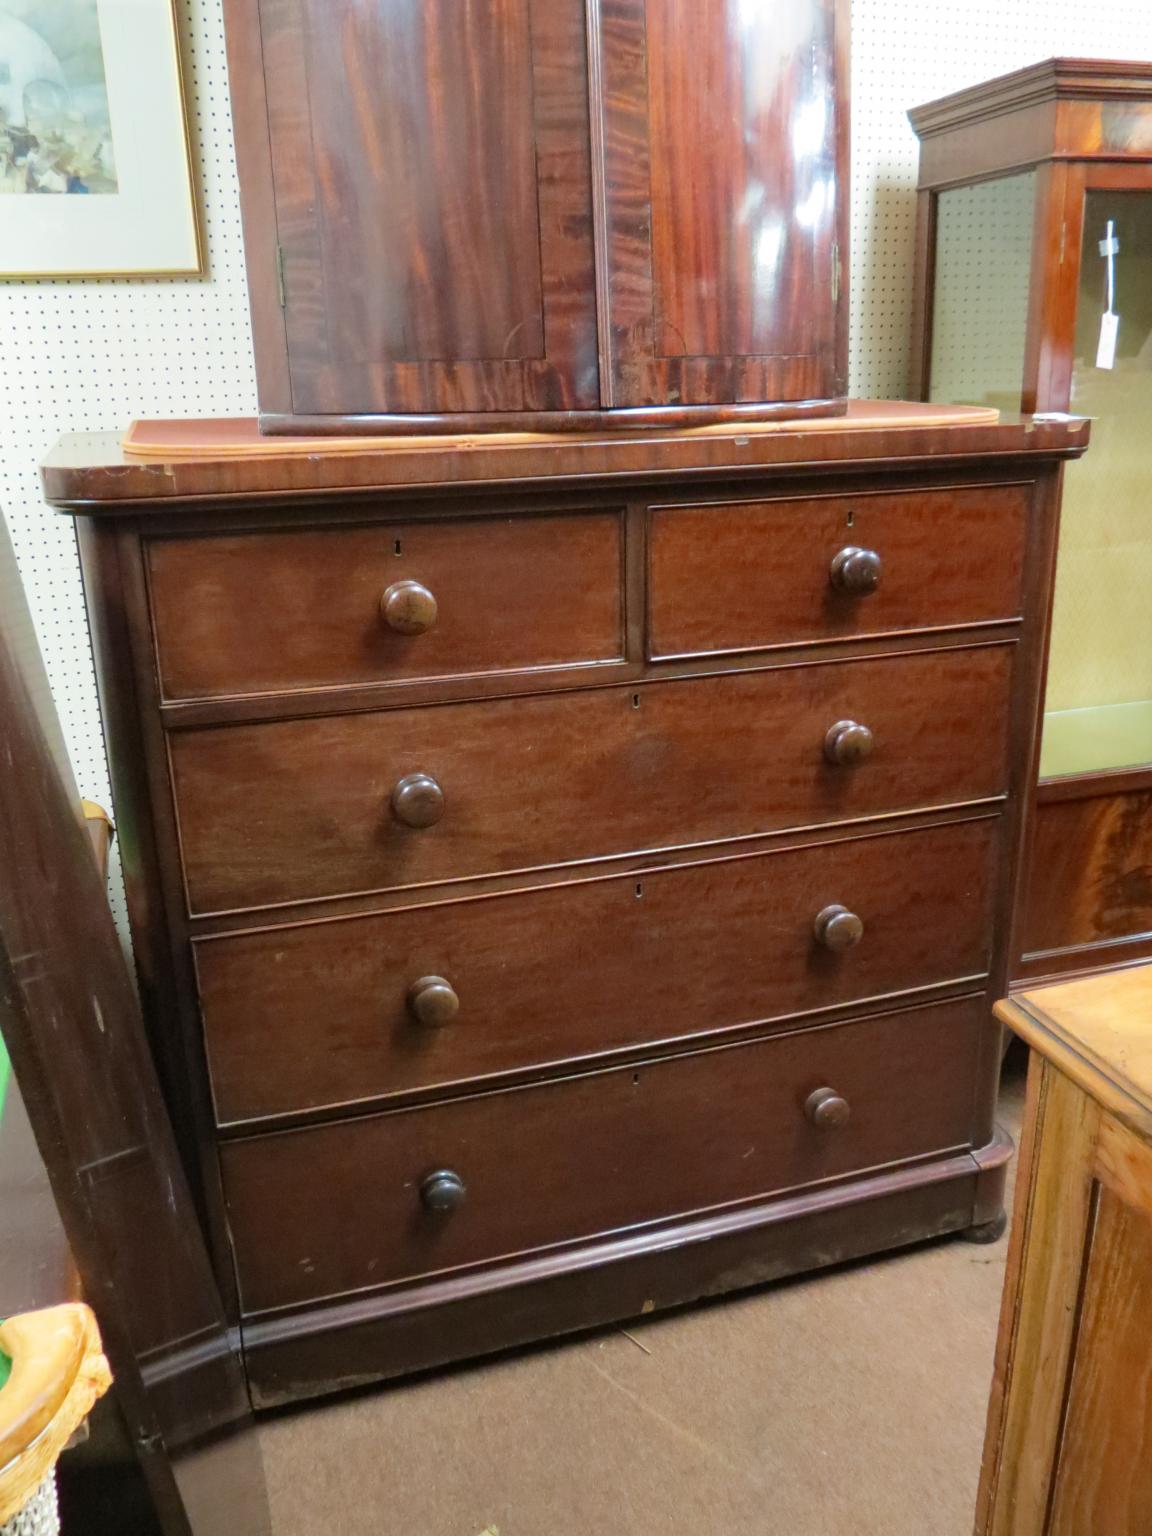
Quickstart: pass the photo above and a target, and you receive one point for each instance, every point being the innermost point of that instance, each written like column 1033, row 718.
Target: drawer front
column 269, row 612
column 337, row 1208
column 323, row 1014
column 300, row 809
column 748, row 575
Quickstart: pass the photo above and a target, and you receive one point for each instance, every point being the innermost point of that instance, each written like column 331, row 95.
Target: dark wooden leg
column 986, row 1231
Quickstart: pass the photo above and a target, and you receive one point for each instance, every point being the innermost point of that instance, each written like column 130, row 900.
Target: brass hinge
column 835, row 271
column 280, row 277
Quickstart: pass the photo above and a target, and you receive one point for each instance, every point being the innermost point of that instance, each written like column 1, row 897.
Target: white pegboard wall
column 92, row 355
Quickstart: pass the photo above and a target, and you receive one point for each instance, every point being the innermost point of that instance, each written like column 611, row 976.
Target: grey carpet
column 848, row 1402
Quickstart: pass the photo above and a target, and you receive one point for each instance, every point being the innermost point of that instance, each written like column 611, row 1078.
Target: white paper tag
column 1109, row 331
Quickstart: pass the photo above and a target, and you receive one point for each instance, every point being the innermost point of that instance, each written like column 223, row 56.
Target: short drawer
column 338, row 1208
column 325, row 1014
column 302, row 809
column 744, row 576
column 272, row 612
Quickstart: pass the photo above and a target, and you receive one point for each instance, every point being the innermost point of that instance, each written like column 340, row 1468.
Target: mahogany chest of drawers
column 568, row 878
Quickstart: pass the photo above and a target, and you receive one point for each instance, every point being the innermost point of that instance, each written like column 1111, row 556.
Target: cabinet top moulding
column 90, row 473
column 1062, row 109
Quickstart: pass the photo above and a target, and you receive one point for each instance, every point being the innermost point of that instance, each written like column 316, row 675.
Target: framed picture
column 95, row 174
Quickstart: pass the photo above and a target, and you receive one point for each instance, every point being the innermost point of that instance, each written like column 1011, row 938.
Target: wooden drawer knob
column 848, row 742
column 837, row 928
column 856, row 571
column 408, row 608
column 418, row 801
column 826, row 1109
column 433, row 1002
column 442, row 1191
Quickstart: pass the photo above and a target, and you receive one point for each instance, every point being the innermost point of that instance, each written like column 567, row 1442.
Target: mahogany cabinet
column 568, row 877
column 1034, row 292
column 542, row 213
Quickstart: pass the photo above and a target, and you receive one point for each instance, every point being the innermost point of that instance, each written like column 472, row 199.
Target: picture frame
column 95, row 164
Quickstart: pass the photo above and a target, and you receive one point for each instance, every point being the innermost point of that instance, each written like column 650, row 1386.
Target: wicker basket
column 56, row 1371
column 39, row 1517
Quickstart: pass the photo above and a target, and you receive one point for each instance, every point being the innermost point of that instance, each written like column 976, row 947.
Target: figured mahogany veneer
column 588, row 1155
column 509, row 594
column 522, row 946
column 1091, row 894
column 949, row 557
column 717, row 160
column 304, row 1016
column 543, row 214
column 300, row 809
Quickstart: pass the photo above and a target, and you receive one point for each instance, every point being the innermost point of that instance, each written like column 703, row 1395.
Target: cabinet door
column 720, row 170
column 431, row 168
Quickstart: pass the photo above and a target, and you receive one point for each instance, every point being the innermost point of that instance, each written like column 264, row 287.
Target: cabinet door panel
column 1103, row 1479
column 718, row 176
column 431, row 166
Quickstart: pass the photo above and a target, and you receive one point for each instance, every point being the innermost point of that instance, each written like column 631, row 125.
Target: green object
column 5, row 1074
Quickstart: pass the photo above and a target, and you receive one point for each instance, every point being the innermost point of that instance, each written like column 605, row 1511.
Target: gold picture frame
column 95, row 144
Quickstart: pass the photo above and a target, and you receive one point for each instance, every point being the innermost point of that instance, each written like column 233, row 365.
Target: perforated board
column 91, row 355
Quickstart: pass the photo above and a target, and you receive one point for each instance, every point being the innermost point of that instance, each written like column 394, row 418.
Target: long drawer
column 755, row 574
column 339, row 1208
column 322, row 607
column 326, row 1014
column 295, row 810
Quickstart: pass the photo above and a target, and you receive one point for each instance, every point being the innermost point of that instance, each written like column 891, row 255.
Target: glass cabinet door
column 980, row 292
column 1099, row 702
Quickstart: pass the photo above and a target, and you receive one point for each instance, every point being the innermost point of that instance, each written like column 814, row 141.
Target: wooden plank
column 1038, row 1318
column 1104, row 1478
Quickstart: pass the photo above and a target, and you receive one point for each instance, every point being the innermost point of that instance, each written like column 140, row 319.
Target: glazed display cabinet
column 1034, row 293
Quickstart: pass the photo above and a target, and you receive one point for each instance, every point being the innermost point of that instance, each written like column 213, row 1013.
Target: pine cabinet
column 1068, row 1449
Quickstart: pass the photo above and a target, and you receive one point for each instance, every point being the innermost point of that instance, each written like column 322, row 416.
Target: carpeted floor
column 849, row 1403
